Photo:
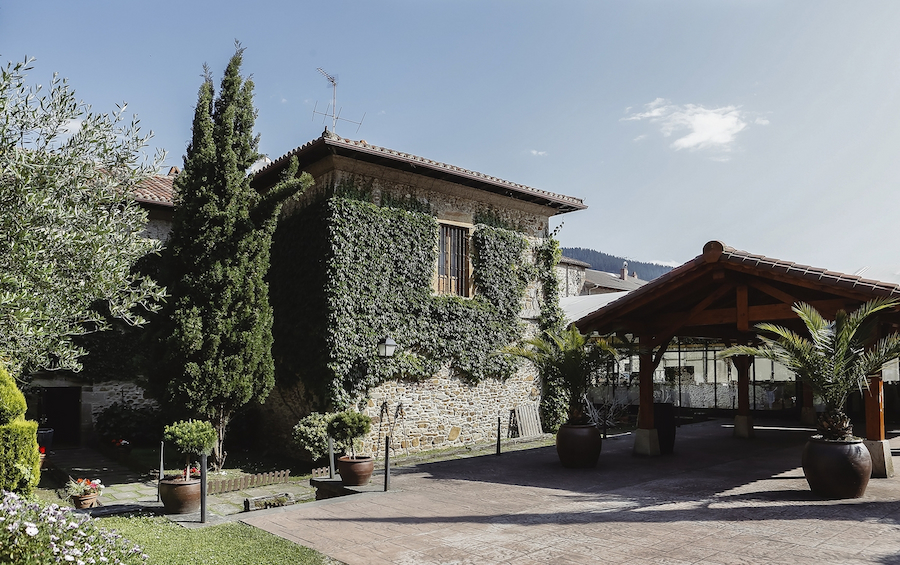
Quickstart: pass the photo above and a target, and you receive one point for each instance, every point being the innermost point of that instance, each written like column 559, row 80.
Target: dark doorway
column 62, row 408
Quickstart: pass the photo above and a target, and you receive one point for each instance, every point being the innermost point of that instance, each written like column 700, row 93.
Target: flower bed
column 32, row 534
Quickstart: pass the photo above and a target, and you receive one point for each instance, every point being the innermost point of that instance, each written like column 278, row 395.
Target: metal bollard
column 498, row 435
column 162, row 445
column 330, row 458
column 387, row 463
column 203, row 489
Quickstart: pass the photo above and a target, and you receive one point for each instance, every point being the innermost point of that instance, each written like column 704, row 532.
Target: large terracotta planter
column 355, row 472
column 180, row 496
column 578, row 446
column 835, row 468
column 86, row 501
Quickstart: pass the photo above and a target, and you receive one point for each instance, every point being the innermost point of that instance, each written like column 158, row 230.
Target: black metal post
column 387, row 463
column 202, row 488
column 498, row 435
column 162, row 444
column 330, row 458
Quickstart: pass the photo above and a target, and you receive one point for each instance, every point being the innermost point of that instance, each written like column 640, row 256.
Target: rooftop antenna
column 332, row 80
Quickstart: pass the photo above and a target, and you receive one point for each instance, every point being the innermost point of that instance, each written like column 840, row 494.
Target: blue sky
column 772, row 126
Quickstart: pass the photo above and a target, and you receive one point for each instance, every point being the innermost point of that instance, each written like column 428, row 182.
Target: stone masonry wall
column 445, row 412
column 571, row 279
column 102, row 395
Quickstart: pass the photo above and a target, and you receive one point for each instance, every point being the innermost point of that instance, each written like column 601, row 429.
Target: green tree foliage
column 19, row 456
column 568, row 361
column 835, row 359
column 348, row 426
column 70, row 230
column 218, row 329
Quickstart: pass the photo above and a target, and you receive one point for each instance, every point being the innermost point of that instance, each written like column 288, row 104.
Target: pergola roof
column 723, row 292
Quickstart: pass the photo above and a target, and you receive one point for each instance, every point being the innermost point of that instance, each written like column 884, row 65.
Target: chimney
column 624, row 272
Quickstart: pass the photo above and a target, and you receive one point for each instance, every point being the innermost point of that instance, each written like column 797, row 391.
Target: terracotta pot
column 836, row 468
column 86, row 500
column 578, row 446
column 355, row 472
column 179, row 496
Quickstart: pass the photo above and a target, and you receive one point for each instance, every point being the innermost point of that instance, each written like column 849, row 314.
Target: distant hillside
column 611, row 264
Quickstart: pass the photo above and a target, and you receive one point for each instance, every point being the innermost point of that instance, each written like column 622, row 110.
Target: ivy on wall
column 346, row 273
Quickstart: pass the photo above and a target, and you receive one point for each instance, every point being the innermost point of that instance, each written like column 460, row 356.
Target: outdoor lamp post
column 386, row 347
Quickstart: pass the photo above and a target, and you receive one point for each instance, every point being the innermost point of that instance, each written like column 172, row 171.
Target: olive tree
column 70, row 230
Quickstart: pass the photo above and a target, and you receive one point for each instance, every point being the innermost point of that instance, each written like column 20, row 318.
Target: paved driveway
column 717, row 500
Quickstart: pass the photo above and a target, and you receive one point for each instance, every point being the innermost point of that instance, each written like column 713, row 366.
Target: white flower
column 31, row 530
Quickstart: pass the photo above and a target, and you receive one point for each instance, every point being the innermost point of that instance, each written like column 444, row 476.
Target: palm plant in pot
column 181, row 494
column 569, row 360
column 347, row 428
column 836, row 359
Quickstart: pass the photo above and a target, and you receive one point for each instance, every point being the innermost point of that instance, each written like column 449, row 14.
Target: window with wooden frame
column 453, row 269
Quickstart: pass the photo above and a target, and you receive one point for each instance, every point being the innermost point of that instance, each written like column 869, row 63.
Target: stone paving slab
column 718, row 500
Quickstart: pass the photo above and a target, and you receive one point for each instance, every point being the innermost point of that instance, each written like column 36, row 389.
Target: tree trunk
column 218, row 455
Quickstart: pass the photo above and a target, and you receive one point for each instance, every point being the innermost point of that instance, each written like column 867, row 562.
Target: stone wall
column 444, row 411
column 101, row 395
column 449, row 201
column 571, row 279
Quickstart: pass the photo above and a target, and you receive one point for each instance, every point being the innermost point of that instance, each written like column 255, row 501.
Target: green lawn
column 228, row 544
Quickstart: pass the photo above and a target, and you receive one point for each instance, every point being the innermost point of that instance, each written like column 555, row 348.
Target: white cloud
column 696, row 127
column 640, row 137
column 537, row 153
column 70, row 128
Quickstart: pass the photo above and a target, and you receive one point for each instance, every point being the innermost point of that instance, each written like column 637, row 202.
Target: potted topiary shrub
column 567, row 359
column 346, row 428
column 180, row 494
column 311, row 434
column 836, row 358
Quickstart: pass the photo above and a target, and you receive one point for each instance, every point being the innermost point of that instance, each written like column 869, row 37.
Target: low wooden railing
column 217, row 486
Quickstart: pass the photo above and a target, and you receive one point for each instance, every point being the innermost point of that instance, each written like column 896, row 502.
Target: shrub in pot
column 311, row 434
column 346, row 428
column 836, row 359
column 569, row 360
column 181, row 494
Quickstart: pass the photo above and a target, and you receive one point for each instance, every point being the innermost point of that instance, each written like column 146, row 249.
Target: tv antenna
column 330, row 110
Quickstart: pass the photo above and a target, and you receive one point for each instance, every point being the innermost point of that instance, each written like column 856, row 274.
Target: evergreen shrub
column 20, row 462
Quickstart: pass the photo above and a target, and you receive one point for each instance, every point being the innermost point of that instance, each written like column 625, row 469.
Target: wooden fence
column 217, row 486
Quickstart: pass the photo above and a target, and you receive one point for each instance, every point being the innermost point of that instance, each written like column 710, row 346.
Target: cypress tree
column 217, row 334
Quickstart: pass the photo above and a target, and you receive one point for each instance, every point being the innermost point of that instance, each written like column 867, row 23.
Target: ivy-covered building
column 451, row 264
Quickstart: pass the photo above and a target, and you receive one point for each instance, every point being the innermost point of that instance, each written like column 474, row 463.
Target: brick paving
column 717, row 501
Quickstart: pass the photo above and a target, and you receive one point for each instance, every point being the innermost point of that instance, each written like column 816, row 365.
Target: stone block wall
column 571, row 279
column 101, row 395
column 444, row 411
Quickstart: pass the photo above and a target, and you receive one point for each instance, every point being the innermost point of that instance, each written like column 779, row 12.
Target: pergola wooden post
column 876, row 442
column 743, row 420
column 807, row 409
column 646, row 437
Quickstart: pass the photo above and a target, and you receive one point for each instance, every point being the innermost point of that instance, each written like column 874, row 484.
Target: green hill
column 611, row 264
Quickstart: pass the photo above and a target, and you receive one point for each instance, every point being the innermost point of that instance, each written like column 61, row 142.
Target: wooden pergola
column 722, row 294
